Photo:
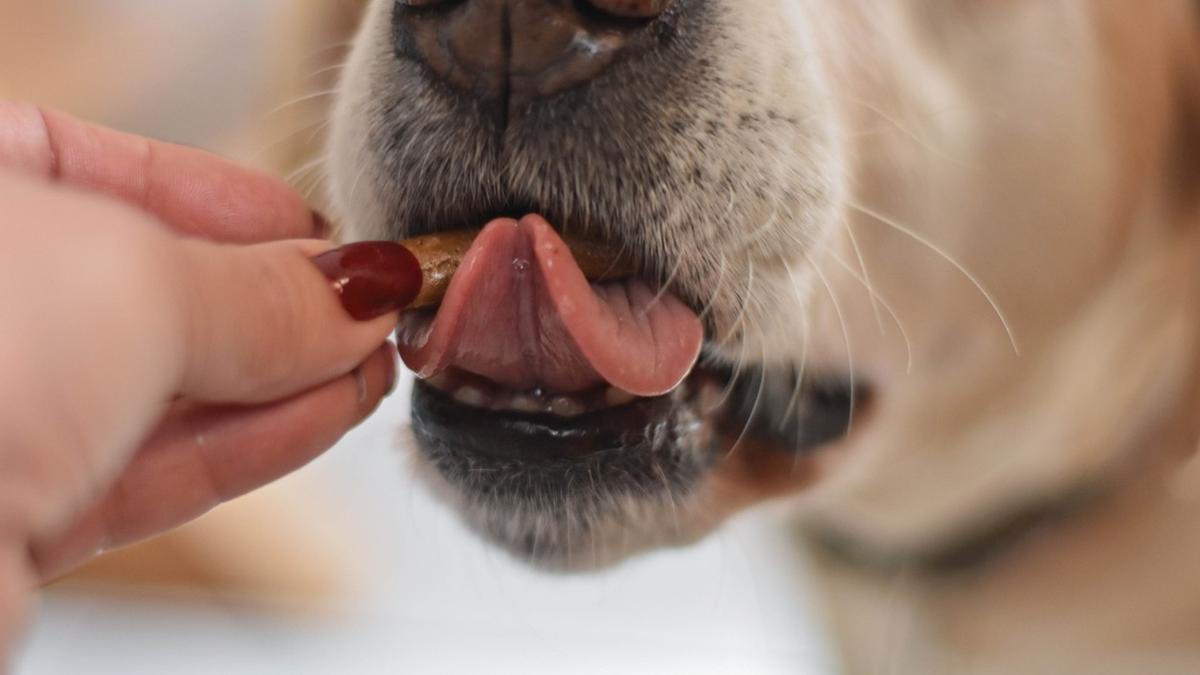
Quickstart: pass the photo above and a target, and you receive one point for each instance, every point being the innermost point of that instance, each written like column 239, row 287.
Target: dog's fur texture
column 984, row 211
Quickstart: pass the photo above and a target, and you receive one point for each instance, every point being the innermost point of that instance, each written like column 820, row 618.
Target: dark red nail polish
column 322, row 228
column 372, row 278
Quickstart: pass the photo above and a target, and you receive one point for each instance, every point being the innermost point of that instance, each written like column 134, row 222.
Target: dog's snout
column 518, row 49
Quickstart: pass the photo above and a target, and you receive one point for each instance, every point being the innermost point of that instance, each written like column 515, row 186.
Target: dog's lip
column 514, row 436
column 713, row 406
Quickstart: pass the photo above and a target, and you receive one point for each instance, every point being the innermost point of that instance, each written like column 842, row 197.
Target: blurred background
column 349, row 566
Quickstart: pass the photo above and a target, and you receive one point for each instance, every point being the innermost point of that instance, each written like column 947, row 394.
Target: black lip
column 531, row 437
column 770, row 407
column 502, row 462
column 795, row 413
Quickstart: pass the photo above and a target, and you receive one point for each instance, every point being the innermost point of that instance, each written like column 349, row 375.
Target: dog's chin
column 585, row 483
column 552, row 489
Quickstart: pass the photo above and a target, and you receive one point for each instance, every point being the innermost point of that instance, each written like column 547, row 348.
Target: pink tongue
column 519, row 312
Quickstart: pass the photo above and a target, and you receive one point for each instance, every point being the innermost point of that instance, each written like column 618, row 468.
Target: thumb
column 266, row 321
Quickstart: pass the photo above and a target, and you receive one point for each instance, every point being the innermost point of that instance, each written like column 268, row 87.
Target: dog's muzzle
column 518, row 50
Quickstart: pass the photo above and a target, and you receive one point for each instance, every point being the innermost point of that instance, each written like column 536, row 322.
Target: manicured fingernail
column 372, row 278
column 322, row 228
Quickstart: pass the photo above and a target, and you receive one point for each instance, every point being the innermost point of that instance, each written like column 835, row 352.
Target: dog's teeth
column 615, row 397
column 565, row 406
column 531, row 402
column 441, row 382
column 526, row 404
column 471, row 396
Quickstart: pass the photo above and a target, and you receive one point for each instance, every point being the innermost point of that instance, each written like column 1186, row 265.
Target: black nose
column 519, row 49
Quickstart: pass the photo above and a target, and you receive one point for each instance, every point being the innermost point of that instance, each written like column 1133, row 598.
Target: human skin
column 167, row 343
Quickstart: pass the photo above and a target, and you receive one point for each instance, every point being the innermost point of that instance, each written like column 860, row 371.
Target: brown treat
column 440, row 255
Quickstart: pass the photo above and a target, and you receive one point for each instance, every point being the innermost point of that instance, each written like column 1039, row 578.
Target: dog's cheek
column 353, row 172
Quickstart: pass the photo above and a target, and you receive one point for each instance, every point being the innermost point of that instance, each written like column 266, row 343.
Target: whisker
column 319, row 130
column 738, row 323
column 740, row 363
column 799, row 386
column 662, row 476
column 866, row 276
column 794, row 401
column 617, row 258
column 303, row 169
column 309, row 177
column 665, row 287
column 837, row 308
column 302, row 99
column 593, row 540
column 327, row 69
column 570, row 522
column 909, row 133
column 753, row 236
column 874, row 215
column 361, row 174
column 762, row 382
column 727, row 390
column 886, row 306
column 708, row 306
column 273, row 144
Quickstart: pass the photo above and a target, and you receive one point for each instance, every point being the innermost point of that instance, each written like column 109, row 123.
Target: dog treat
column 441, row 254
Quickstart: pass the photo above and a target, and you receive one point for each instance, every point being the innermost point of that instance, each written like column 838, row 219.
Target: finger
column 196, row 193
column 263, row 322
column 203, row 457
column 16, row 600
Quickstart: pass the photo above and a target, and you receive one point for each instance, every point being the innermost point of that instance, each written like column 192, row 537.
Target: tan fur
column 1008, row 250
column 1068, row 214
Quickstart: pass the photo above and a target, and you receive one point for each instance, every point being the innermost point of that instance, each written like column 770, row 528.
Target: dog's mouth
column 539, row 391
column 525, row 359
column 521, row 315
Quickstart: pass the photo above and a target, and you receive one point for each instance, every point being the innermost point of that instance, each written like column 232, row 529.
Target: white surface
column 437, row 600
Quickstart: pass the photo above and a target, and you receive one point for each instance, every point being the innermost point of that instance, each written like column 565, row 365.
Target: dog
column 943, row 256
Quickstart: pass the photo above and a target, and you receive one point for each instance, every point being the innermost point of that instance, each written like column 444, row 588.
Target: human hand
column 149, row 372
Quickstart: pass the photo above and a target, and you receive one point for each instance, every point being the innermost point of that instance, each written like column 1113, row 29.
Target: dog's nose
column 519, row 49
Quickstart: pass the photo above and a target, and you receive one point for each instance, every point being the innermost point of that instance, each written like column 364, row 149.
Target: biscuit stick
column 441, row 254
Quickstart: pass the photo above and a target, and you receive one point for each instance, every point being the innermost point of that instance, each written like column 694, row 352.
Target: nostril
column 515, row 51
column 631, row 9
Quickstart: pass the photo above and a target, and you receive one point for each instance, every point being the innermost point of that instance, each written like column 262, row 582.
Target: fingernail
column 393, row 376
column 360, row 381
column 322, row 228
column 372, row 278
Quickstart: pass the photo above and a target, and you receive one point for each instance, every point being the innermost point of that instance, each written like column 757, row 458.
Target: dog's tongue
column 519, row 312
